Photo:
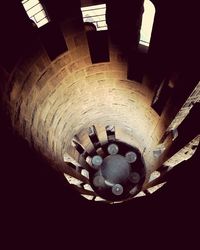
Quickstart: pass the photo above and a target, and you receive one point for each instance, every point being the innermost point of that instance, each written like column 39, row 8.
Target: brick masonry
column 50, row 102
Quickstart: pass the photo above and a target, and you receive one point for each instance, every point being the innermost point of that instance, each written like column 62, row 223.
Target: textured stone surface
column 51, row 102
column 184, row 154
column 185, row 109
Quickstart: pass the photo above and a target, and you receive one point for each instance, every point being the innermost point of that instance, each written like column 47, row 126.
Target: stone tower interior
column 99, row 127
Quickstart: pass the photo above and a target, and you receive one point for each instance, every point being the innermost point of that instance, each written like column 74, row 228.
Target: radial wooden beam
column 84, row 191
column 154, row 182
column 72, row 172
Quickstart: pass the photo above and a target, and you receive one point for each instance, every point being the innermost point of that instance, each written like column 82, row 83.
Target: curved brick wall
column 50, row 102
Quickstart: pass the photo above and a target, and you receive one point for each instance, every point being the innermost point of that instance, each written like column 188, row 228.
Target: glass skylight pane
column 42, row 22
column 102, row 24
column 102, row 28
column 35, row 12
column 29, row 4
column 39, row 16
column 96, row 18
column 94, row 7
column 95, row 14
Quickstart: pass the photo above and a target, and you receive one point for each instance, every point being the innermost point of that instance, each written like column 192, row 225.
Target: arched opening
column 147, row 22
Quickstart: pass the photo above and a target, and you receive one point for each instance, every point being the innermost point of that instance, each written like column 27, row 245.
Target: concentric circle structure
column 113, row 149
column 134, row 177
column 117, row 189
column 77, row 113
column 131, row 157
column 87, row 118
column 97, row 161
column 115, row 168
column 120, row 176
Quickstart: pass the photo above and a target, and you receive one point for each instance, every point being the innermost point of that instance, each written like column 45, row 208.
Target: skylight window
column 147, row 22
column 95, row 14
column 35, row 12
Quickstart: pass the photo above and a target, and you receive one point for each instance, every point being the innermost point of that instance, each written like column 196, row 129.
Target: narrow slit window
column 95, row 14
column 35, row 12
column 147, row 22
